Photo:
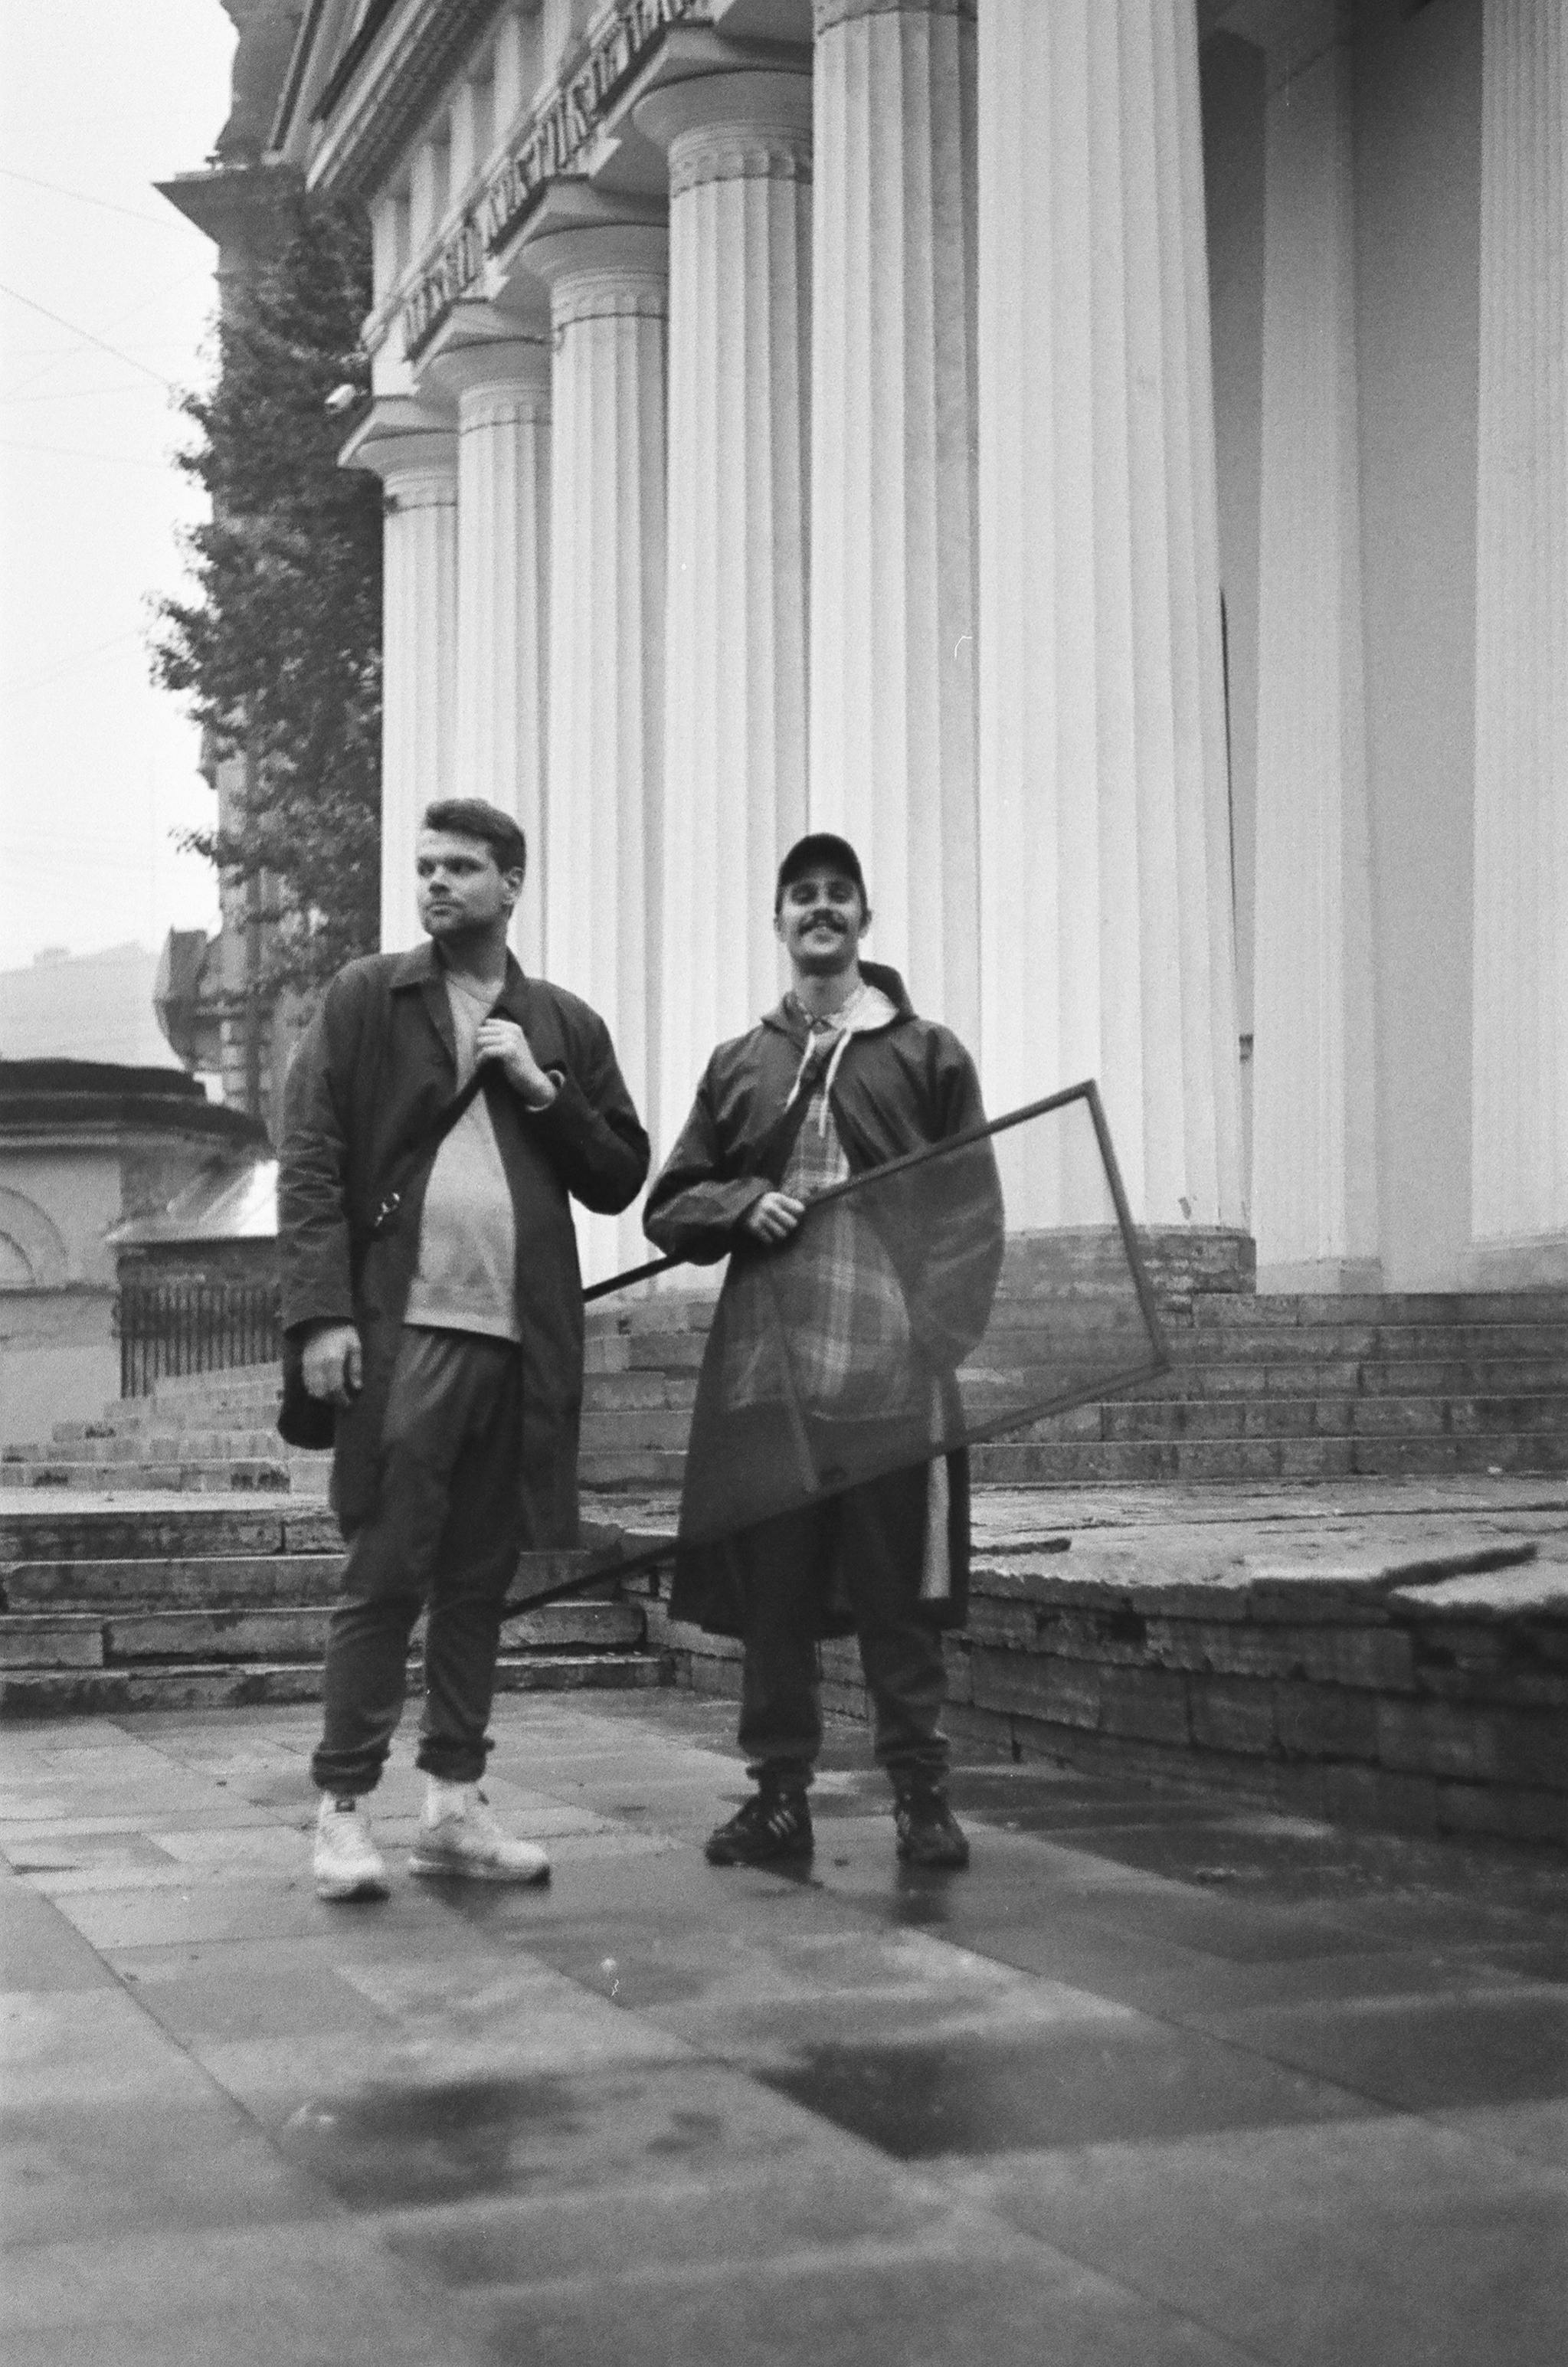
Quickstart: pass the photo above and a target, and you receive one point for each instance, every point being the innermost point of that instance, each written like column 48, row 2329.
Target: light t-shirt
column 466, row 1278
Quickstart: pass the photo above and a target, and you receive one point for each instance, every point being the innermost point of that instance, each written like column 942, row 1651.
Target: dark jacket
column 896, row 1090
column 368, row 1081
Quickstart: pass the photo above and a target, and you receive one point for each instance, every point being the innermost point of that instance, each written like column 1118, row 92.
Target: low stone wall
column 1364, row 1695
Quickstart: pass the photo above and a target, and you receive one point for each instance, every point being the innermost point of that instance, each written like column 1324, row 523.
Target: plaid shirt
column 830, row 1301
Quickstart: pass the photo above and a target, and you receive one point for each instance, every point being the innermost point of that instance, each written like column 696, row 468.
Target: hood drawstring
column 867, row 1009
column 831, row 1071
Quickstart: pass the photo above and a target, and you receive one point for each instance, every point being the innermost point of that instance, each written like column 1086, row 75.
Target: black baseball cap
column 820, row 850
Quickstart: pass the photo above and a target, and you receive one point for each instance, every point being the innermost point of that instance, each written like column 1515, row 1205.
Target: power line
column 80, row 452
column 172, row 220
column 165, row 288
column 78, row 394
column 86, row 336
column 17, row 684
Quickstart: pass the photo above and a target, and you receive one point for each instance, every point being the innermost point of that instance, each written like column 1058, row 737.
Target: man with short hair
column 431, row 1288
column 832, row 1353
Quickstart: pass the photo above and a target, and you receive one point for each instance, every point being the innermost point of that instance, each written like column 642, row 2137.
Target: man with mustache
column 835, row 1338
column 443, row 1111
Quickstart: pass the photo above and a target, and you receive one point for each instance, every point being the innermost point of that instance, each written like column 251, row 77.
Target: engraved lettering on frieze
column 549, row 150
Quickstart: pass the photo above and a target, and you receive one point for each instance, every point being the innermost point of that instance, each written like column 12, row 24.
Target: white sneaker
column 347, row 1864
column 458, row 1834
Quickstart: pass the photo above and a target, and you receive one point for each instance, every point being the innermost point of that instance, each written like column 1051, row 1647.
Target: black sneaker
column 928, row 1832
column 772, row 1825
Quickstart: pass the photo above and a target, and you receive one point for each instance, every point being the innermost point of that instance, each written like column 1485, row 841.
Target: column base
column 1349, row 1277
column 1525, row 1261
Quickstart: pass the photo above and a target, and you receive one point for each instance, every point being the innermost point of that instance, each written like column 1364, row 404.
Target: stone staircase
column 1260, row 1389
column 158, row 1606
column 207, row 1433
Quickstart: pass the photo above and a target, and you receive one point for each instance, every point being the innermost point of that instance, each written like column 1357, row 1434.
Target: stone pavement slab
column 1161, row 2079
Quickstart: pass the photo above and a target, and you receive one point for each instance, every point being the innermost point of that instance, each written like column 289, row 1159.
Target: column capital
column 731, row 126
column 405, row 442
column 597, row 257
column 826, row 14
column 479, row 351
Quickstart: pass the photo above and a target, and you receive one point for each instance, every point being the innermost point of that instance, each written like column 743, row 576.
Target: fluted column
column 1521, row 1101
column 608, row 281
column 1106, row 915
column 497, row 369
column 414, row 452
column 736, row 713
column 1314, row 1210
column 892, row 600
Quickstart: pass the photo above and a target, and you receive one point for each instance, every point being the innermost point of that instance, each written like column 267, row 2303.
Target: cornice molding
column 234, row 197
column 378, row 114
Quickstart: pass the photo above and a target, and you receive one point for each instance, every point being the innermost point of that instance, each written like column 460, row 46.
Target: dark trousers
column 874, row 1535
column 445, row 1534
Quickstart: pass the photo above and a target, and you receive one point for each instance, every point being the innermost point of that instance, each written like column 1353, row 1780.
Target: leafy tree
column 278, row 655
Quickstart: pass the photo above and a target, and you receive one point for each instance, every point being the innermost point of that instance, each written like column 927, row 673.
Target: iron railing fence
column 167, row 1328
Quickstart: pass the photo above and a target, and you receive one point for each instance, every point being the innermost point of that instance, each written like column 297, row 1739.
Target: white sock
column 444, row 1799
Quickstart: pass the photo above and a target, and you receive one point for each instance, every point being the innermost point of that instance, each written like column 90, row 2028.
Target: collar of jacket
column 420, row 966
column 875, row 974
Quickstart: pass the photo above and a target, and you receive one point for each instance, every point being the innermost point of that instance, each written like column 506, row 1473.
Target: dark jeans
column 446, row 1532
column 875, row 1534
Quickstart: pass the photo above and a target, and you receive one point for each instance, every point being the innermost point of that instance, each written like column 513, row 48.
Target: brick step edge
column 244, row 1478
column 63, row 1693
column 274, row 1634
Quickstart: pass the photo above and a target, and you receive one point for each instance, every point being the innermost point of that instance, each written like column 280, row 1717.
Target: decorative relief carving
column 547, row 150
column 611, row 295
column 726, row 152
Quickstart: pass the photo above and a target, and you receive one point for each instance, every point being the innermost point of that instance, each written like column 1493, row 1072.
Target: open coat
column 367, row 1086
column 896, row 1089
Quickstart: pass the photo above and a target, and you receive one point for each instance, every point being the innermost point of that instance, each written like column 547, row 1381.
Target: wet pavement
column 1159, row 2079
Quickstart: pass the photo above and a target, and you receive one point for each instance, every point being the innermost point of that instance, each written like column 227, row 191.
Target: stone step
column 1250, row 1444
column 636, row 1432
column 1087, row 1462
column 1090, row 1461
column 112, row 1691
column 1364, row 1376
column 1372, row 1416
column 1221, row 1308
column 1388, row 1341
column 194, row 1479
column 36, row 1531
column 136, row 1445
column 658, row 1407
column 53, row 1543
column 297, row 1632
column 217, row 1582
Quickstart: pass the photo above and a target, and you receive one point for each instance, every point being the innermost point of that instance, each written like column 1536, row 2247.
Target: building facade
column 1109, row 457
column 213, row 1003
column 85, row 1146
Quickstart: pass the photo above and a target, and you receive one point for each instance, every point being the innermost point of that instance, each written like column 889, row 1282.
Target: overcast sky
column 96, row 768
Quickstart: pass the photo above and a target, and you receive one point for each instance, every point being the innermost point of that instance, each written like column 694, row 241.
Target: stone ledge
column 1427, row 1689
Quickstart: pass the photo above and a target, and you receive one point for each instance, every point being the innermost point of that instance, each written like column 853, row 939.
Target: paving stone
column 1311, row 2218
column 890, row 2306
column 40, row 1950
column 308, row 2292
column 510, row 2100
column 1432, row 2054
